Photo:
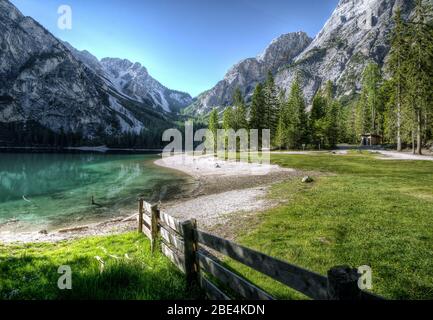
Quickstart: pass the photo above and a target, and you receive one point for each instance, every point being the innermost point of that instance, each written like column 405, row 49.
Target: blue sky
column 187, row 45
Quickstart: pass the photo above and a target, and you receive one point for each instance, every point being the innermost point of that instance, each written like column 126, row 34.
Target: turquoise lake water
column 49, row 191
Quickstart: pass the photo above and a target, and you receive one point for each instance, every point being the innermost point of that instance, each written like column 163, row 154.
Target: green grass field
column 30, row 271
column 359, row 211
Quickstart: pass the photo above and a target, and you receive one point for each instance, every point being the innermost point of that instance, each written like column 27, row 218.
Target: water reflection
column 56, row 189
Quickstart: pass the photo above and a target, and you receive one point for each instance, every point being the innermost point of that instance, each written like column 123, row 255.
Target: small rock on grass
column 307, row 179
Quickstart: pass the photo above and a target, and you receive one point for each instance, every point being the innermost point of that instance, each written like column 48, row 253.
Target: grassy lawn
column 359, row 211
column 30, row 271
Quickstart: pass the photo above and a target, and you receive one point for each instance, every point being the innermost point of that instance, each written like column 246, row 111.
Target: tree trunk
column 418, row 134
column 399, row 120
column 399, row 148
column 413, row 142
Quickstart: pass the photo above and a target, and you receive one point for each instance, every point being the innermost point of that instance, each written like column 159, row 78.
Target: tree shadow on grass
column 31, row 277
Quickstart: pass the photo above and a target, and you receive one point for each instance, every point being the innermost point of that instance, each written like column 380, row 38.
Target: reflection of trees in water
column 36, row 174
column 60, row 186
column 126, row 176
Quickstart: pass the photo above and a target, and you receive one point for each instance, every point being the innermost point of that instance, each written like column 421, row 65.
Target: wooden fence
column 188, row 248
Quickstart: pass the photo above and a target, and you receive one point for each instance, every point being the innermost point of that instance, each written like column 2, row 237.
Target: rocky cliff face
column 48, row 82
column 40, row 80
column 356, row 33
column 133, row 80
column 248, row 73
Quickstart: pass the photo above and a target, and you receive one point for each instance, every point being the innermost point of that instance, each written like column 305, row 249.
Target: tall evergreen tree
column 228, row 118
column 397, row 69
column 297, row 120
column 419, row 69
column 228, row 123
column 332, row 124
column 257, row 109
column 317, row 114
column 213, row 127
column 239, row 111
column 329, row 93
column 271, row 105
column 281, row 133
column 369, row 104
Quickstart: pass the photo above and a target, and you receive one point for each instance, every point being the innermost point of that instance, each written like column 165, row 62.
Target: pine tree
column 329, row 93
column 369, row 104
column 280, row 132
column 257, row 109
column 213, row 127
column 297, row 122
column 271, row 105
column 350, row 123
column 228, row 118
column 332, row 123
column 397, row 69
column 317, row 113
column 239, row 111
column 419, row 69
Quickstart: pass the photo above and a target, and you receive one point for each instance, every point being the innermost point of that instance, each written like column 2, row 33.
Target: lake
column 50, row 191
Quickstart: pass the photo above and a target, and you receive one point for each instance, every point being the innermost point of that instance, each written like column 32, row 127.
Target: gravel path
column 216, row 209
column 394, row 155
column 225, row 188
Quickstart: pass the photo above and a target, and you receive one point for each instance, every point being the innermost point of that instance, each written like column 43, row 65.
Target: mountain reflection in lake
column 55, row 190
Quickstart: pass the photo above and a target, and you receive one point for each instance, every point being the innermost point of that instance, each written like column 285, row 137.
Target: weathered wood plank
column 246, row 289
column 189, row 251
column 307, row 282
column 172, row 239
column 147, row 207
column 146, row 225
column 154, row 214
column 147, row 219
column 171, row 222
column 343, row 283
column 147, row 232
column 176, row 258
column 211, row 290
column 140, row 216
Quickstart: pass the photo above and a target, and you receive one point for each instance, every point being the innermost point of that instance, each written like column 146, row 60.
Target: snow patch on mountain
column 128, row 122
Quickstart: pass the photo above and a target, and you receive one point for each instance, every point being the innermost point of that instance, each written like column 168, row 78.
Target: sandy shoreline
column 223, row 188
column 226, row 189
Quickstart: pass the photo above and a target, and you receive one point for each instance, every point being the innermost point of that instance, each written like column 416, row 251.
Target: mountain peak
column 357, row 32
column 279, row 45
column 117, row 66
column 246, row 74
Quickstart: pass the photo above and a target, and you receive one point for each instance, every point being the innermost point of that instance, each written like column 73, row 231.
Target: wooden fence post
column 190, row 249
column 154, row 215
column 343, row 284
column 140, row 216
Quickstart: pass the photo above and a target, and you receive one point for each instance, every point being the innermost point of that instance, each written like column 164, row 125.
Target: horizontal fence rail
column 185, row 246
column 309, row 283
column 238, row 284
